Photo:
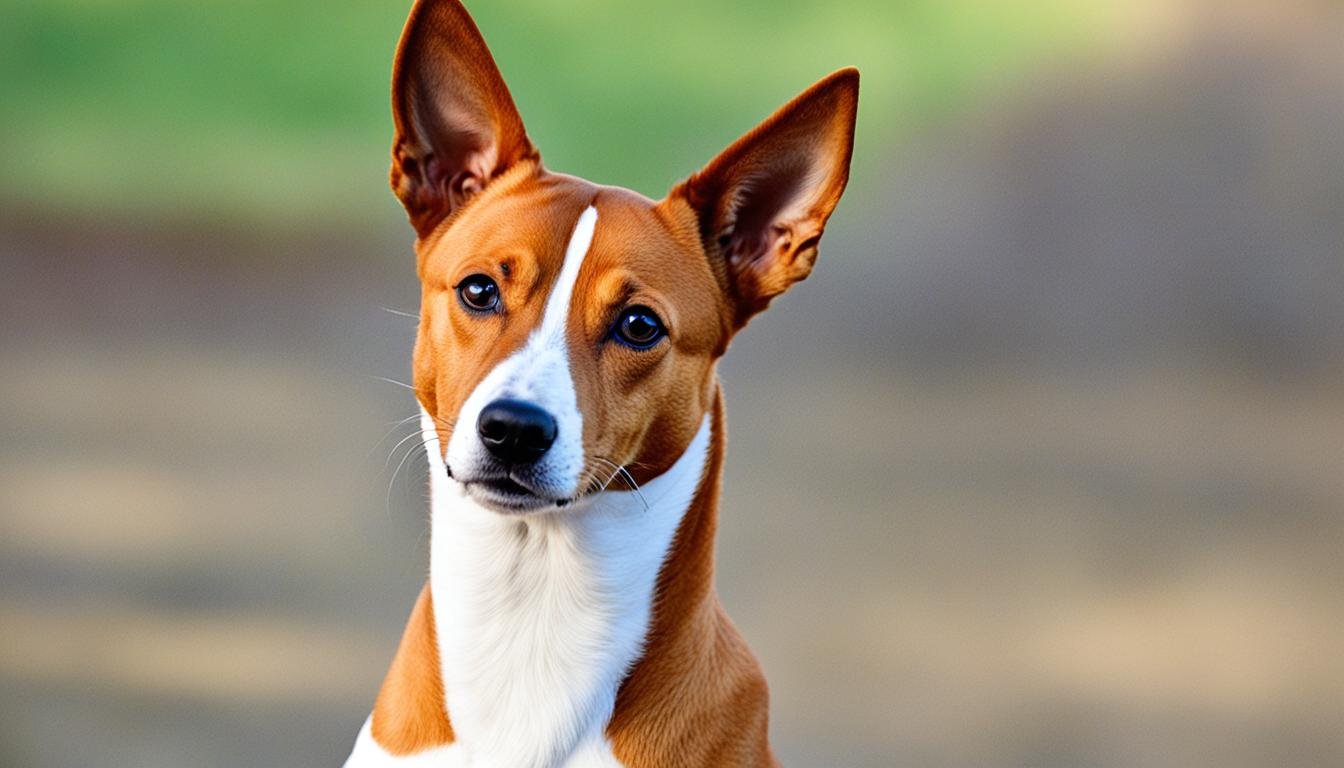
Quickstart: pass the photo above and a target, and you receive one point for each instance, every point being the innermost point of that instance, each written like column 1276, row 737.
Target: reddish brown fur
column 698, row 696
column 717, row 250
column 409, row 714
column 765, row 257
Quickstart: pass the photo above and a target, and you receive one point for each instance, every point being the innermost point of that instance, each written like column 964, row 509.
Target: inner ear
column 763, row 203
column 752, row 223
column 457, row 128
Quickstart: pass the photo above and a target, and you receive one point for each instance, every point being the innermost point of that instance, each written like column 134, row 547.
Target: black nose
column 516, row 432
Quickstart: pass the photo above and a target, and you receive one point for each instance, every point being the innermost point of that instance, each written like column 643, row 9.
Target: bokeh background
column 1043, row 467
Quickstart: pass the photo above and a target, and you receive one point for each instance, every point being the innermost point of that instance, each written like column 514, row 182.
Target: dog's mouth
column 508, row 494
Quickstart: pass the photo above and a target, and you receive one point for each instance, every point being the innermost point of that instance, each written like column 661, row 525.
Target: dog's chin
column 509, row 497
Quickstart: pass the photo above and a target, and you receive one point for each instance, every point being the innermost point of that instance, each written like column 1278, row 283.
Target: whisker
column 624, row 474
column 388, row 434
column 393, row 479
column 399, row 313
column 615, row 474
column 615, row 468
column 635, row 487
column 394, row 381
column 396, row 447
column 424, row 533
column 629, row 478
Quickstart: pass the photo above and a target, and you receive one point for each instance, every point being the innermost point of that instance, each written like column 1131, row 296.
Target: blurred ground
column 1045, row 465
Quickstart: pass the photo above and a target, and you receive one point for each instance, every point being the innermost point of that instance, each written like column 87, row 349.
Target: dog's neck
column 541, row 618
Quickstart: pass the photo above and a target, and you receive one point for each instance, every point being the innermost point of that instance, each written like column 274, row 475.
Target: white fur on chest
column 540, row 618
column 592, row 753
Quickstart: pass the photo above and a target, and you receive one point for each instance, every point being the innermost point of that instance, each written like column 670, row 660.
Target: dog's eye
column 478, row 293
column 639, row 328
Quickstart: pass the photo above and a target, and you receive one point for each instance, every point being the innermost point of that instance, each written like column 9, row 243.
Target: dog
column 565, row 365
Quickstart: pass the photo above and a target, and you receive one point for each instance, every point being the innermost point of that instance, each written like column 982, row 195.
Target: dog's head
column 568, row 329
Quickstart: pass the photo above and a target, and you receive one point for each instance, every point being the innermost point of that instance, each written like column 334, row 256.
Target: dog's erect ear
column 764, row 201
column 456, row 125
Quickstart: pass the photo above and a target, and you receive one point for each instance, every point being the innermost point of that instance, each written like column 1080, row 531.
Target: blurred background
column 1043, row 467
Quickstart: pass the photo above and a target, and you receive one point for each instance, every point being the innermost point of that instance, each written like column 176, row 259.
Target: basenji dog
column 565, row 365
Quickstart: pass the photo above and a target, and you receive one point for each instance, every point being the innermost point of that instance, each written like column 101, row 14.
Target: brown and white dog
column 566, row 367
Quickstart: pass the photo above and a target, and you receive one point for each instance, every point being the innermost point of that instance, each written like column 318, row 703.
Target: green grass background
column 274, row 113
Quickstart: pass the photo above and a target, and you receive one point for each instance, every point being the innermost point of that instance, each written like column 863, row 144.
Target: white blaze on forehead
column 538, row 373
column 552, row 329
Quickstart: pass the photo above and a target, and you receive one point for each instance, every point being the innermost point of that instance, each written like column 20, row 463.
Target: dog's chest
column 537, row 625
column 368, row 754
column 539, row 619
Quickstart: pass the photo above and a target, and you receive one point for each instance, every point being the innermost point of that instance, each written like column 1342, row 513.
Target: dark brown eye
column 478, row 293
column 639, row 328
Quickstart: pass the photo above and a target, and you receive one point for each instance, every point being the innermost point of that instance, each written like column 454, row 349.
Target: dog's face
column 556, row 312
column 568, row 330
